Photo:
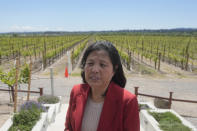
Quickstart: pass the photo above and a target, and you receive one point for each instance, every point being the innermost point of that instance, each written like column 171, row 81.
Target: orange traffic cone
column 66, row 72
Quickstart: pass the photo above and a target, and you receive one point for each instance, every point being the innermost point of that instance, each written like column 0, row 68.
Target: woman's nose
column 95, row 68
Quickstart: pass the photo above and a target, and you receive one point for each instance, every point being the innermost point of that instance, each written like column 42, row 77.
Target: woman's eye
column 103, row 65
column 89, row 64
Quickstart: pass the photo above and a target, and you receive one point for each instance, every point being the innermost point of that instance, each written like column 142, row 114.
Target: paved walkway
column 58, row 125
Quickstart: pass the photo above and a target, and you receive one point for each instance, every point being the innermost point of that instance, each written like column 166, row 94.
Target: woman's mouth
column 94, row 78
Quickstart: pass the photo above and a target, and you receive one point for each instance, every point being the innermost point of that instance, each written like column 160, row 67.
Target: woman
column 102, row 103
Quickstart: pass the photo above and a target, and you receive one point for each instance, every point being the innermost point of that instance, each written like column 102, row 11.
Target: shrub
column 169, row 122
column 48, row 99
column 27, row 117
column 25, row 120
column 32, row 105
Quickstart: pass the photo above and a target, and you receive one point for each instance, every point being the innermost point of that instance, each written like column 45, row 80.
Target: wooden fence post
column 170, row 100
column 136, row 91
column 41, row 91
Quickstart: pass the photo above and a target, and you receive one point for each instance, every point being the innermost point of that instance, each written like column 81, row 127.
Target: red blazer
column 119, row 113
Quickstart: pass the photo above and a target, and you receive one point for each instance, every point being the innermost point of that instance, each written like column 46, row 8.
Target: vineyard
column 150, row 50
column 42, row 50
column 180, row 51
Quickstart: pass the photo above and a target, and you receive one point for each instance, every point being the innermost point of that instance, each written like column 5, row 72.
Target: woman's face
column 98, row 69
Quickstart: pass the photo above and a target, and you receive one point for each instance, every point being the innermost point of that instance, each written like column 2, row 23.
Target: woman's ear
column 115, row 69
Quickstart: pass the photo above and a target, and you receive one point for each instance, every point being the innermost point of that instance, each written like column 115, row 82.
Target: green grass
column 147, row 71
column 48, row 99
column 144, row 70
column 76, row 74
column 179, row 74
column 169, row 122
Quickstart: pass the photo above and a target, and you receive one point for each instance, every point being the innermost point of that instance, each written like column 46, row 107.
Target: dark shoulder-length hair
column 119, row 77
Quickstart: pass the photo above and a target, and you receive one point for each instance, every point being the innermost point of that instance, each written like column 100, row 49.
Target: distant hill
column 175, row 31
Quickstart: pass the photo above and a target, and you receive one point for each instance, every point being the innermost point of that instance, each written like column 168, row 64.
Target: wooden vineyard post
column 142, row 51
column 159, row 62
column 155, row 60
column 187, row 59
column 0, row 58
column 29, row 80
column 16, row 84
column 187, row 55
column 44, row 59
